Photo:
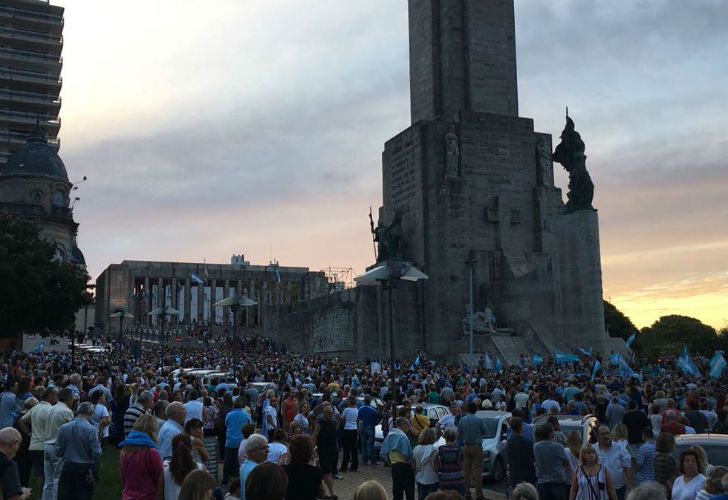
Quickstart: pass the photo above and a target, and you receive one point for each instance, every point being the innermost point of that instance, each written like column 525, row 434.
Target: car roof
column 492, row 414
column 692, row 439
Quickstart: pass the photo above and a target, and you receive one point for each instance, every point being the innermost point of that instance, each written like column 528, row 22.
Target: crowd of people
column 280, row 425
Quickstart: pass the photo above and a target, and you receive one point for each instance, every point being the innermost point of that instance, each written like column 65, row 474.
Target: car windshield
column 717, row 455
column 491, row 424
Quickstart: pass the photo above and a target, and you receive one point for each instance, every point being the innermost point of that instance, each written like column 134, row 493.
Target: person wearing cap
column 78, row 444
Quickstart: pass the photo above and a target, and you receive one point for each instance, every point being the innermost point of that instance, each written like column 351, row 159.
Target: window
column 59, row 198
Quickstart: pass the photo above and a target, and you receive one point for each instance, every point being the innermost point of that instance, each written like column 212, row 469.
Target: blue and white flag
column 488, row 362
column 586, row 352
column 597, row 368
column 717, row 365
column 417, row 361
column 196, row 279
column 685, row 363
column 566, row 358
column 278, row 276
column 631, row 340
column 40, row 348
column 498, row 365
column 537, row 359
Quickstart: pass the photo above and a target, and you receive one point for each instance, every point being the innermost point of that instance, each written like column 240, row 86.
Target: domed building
column 34, row 185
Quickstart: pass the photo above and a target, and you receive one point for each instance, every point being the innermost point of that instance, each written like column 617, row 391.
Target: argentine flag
column 717, row 365
column 498, row 365
column 196, row 279
column 631, row 340
column 537, row 359
column 596, row 369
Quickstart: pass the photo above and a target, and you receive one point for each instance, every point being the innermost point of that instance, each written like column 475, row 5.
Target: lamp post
column 121, row 314
column 235, row 304
column 388, row 274
column 163, row 312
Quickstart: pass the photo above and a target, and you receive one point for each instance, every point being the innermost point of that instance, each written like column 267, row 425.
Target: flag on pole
column 278, row 276
column 196, row 279
column 685, row 363
column 537, row 359
column 586, row 352
column 631, row 340
column 488, row 362
column 717, row 365
column 597, row 368
column 498, row 364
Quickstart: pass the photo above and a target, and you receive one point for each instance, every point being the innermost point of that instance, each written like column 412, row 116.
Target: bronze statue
column 388, row 238
column 570, row 153
column 452, row 142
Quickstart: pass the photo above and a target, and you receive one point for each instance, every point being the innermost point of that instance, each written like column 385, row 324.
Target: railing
column 31, row 14
column 27, row 54
column 17, row 137
column 29, row 96
column 33, row 36
column 49, row 119
column 32, row 75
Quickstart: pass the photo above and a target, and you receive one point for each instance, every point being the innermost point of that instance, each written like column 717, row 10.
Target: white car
column 432, row 411
column 494, row 444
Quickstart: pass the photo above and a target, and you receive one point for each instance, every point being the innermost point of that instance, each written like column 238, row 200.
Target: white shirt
column 276, row 451
column 350, row 416
column 171, row 488
column 40, row 423
column 687, row 491
column 273, row 413
column 100, row 412
column 194, row 410
column 424, row 456
column 615, row 459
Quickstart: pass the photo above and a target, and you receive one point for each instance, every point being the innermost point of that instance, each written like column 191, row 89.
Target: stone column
column 188, row 302
column 200, row 304
column 226, row 309
column 146, row 297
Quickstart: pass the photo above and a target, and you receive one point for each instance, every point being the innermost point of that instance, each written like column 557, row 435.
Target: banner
column 566, row 358
column 586, row 352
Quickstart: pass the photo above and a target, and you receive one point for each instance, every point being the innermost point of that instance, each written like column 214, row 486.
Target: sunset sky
column 237, row 126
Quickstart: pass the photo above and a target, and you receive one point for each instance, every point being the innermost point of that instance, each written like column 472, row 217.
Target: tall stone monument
column 473, row 184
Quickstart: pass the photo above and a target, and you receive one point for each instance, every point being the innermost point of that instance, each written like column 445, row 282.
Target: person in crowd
column 573, row 452
column 234, row 422
column 140, row 464
column 60, row 414
column 22, row 456
column 519, row 451
column 713, row 487
column 671, row 423
column 615, row 413
column 369, row 418
column 665, row 466
column 655, row 419
column 524, row 491
column 278, row 449
column 7, row 403
column 350, row 417
column 423, row 457
column 194, row 408
column 591, row 480
column 420, row 422
column 37, row 423
column 370, row 490
column 649, row 490
column 617, row 461
column 176, row 469
column 620, row 433
column 234, row 490
column 397, row 452
column 271, row 415
column 325, row 439
column 256, row 451
column 101, row 419
column 305, row 481
column 248, row 430
column 635, row 420
column 194, row 429
column 645, row 463
column 301, row 418
column 697, row 419
column 449, row 463
column 210, row 435
column 551, row 464
column 703, row 456
column 10, row 487
column 472, row 431
column 267, row 482
column 78, row 444
column 559, row 436
column 198, row 485
column 721, row 426
column 120, row 404
column 173, row 426
column 690, row 480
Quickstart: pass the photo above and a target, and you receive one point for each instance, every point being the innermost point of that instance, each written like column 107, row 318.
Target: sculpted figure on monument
column 570, row 153
column 452, row 142
column 389, row 239
column 483, row 321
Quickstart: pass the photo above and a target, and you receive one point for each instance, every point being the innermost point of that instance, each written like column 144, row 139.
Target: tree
column 618, row 325
column 38, row 293
column 669, row 334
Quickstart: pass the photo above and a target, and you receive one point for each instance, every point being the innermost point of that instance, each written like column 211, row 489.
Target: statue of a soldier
column 570, row 153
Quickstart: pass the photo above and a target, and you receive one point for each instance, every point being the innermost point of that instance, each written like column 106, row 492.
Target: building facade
column 139, row 287
column 31, row 41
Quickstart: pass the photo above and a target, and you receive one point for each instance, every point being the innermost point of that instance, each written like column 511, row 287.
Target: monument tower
column 473, row 184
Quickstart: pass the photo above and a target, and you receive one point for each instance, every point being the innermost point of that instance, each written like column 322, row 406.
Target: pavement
column 345, row 488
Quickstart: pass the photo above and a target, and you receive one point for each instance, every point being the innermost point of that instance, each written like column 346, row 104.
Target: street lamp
column 162, row 311
column 388, row 274
column 235, row 304
column 122, row 315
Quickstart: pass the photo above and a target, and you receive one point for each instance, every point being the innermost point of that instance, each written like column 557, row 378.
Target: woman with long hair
column 198, row 485
column 591, row 480
column 664, row 464
column 573, row 450
column 305, row 481
column 277, row 449
column 691, row 480
column 210, row 434
column 176, row 469
column 140, row 463
column 267, row 482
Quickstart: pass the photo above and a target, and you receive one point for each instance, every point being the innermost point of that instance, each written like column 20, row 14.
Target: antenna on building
column 75, row 184
column 73, row 203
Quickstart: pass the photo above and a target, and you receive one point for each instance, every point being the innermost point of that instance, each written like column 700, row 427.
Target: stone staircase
column 510, row 348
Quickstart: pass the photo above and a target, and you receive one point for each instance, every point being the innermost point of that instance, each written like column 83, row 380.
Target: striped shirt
column 131, row 416
column 646, row 463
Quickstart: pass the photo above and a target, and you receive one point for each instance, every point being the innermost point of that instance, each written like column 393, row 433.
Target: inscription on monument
column 333, row 331
column 402, row 173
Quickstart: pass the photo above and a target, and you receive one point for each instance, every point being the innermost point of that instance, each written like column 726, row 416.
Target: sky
column 208, row 129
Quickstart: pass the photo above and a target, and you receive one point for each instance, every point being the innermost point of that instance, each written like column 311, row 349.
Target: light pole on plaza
column 388, row 274
column 162, row 312
column 235, row 304
column 122, row 315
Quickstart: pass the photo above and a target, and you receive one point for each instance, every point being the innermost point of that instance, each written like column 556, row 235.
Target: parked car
column 586, row 425
column 715, row 445
column 494, row 444
column 432, row 411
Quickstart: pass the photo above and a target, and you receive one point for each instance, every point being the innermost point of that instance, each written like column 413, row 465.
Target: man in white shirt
column 617, row 461
column 194, row 407
column 60, row 414
column 39, row 418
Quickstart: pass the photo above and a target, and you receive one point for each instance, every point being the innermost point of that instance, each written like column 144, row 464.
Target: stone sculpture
column 483, row 322
column 452, row 142
column 389, row 239
column 570, row 153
